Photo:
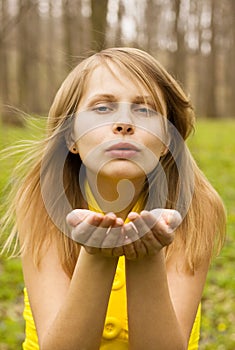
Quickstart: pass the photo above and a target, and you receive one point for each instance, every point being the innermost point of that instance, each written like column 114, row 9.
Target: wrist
column 97, row 259
column 158, row 258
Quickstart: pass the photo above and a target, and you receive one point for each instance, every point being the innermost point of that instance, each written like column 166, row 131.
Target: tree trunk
column 150, row 20
column 67, row 42
column 23, row 52
column 98, row 20
column 230, row 73
column 180, row 56
column 33, row 57
column 118, row 34
column 211, row 74
column 3, row 49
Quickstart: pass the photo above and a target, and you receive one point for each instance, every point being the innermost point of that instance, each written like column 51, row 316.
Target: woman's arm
column 69, row 314
column 161, row 306
column 162, row 300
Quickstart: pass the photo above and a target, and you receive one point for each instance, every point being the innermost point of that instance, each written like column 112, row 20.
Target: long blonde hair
column 32, row 225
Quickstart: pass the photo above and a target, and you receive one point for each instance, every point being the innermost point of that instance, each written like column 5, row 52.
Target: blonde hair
column 197, row 236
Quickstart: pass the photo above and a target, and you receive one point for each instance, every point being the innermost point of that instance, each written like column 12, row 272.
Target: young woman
column 113, row 215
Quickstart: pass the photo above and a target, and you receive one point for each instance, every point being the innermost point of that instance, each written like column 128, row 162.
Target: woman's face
column 117, row 132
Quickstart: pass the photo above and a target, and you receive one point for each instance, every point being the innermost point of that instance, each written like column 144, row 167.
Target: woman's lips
column 122, row 150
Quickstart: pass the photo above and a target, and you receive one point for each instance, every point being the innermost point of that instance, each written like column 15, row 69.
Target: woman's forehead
column 114, row 80
column 104, row 80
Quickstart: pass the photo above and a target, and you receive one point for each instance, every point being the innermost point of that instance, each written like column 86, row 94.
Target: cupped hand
column 98, row 233
column 149, row 231
column 107, row 235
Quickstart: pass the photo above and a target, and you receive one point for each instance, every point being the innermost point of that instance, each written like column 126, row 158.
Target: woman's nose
column 123, row 128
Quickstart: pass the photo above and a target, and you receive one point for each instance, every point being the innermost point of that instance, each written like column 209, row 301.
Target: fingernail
column 111, row 215
column 73, row 218
column 97, row 218
column 133, row 216
column 119, row 221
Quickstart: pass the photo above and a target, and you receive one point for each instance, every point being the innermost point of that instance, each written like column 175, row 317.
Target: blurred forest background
column 41, row 40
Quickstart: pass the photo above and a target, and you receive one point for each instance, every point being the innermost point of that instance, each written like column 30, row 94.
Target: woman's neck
column 115, row 195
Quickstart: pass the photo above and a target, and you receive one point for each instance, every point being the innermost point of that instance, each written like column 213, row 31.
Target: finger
column 92, row 250
column 151, row 218
column 131, row 235
column 100, row 232
column 160, row 229
column 118, row 251
column 141, row 226
column 111, row 239
column 140, row 249
column 151, row 243
column 94, row 243
column 155, row 222
column 172, row 218
column 148, row 241
column 135, row 234
column 76, row 216
column 84, row 230
column 129, row 250
column 131, row 232
column 112, row 236
column 133, row 215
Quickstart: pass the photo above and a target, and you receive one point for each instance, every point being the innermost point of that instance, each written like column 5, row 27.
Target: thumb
column 76, row 216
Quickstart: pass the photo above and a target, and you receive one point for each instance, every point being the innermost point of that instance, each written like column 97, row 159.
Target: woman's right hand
column 96, row 232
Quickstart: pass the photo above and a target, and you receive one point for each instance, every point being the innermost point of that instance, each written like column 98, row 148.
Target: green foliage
column 213, row 146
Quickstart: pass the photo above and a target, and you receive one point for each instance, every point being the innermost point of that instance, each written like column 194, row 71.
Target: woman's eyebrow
column 144, row 99
column 101, row 97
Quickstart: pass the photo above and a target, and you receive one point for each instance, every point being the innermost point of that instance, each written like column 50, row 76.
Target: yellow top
column 115, row 334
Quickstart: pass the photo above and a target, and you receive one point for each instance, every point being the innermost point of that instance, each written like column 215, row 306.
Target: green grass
column 11, row 279
column 213, row 146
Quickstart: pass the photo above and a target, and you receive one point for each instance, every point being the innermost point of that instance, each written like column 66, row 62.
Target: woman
column 112, row 217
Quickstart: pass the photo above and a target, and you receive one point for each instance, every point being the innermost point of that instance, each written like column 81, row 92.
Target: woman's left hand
column 148, row 232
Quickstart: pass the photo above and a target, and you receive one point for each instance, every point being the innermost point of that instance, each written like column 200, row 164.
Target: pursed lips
column 123, row 150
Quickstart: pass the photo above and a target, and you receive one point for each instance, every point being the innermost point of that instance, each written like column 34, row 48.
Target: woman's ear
column 69, row 136
column 73, row 148
column 70, row 143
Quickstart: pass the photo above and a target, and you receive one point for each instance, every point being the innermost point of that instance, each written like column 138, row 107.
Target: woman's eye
column 102, row 109
column 144, row 111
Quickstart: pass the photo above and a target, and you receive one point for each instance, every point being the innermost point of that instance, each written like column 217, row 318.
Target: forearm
column 80, row 321
column 151, row 316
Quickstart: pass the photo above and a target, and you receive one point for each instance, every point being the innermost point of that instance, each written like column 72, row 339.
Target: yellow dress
column 115, row 334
